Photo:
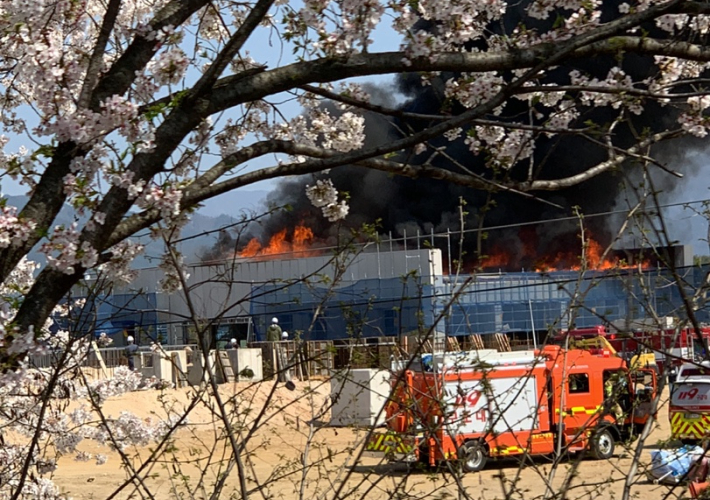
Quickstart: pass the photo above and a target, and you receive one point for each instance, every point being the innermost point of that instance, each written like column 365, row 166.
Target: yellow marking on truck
column 390, row 443
column 507, row 450
column 576, row 410
column 683, row 427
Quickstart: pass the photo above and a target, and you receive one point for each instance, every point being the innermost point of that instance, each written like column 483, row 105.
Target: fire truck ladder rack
column 482, row 357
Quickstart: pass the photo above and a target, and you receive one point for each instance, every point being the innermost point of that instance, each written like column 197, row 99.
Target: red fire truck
column 669, row 345
column 485, row 404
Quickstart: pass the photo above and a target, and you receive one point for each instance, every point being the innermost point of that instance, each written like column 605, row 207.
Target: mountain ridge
column 198, row 236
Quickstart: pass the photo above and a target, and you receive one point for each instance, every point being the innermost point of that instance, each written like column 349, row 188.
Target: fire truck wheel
column 473, row 456
column 602, row 444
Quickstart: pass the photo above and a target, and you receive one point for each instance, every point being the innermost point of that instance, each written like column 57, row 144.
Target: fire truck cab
column 485, row 404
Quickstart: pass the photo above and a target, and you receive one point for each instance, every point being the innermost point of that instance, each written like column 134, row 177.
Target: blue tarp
column 673, row 466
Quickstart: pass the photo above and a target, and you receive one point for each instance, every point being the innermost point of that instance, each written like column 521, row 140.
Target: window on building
column 578, row 383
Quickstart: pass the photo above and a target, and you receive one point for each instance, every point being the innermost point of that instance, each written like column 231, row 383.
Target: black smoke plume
column 424, row 205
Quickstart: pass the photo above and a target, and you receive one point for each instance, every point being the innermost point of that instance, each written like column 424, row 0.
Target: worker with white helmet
column 131, row 349
column 284, row 335
column 274, row 333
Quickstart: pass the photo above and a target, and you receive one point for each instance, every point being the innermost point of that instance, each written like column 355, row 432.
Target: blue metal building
column 478, row 304
column 389, row 293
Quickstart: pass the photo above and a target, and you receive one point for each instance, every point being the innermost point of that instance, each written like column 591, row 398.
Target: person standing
column 131, row 349
column 611, row 394
column 273, row 333
column 233, row 344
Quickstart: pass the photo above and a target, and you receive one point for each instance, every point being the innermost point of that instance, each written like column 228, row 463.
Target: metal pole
column 448, row 239
column 379, row 274
column 561, row 425
column 532, row 322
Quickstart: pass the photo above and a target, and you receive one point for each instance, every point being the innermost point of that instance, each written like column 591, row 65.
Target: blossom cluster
column 63, row 431
column 504, row 147
column 12, row 229
column 85, row 126
column 18, row 283
column 125, row 180
column 174, row 271
column 474, row 89
column 338, row 27
column 616, row 79
column 71, row 251
column 166, row 200
column 318, row 127
column 123, row 381
column 694, row 120
column 118, row 269
column 323, row 195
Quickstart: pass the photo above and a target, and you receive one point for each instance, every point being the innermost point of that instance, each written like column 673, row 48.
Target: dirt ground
column 275, row 454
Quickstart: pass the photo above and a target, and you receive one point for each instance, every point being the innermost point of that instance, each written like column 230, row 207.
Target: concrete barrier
column 196, row 373
column 357, row 397
column 247, row 364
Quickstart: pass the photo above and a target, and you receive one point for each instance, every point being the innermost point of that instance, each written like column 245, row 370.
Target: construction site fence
column 307, row 359
column 112, row 357
column 318, row 359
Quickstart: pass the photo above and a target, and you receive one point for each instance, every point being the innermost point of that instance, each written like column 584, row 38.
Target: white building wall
column 215, row 289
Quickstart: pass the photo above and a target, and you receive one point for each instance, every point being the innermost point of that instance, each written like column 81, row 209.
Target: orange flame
column 302, row 238
column 564, row 260
column 251, row 249
column 298, row 245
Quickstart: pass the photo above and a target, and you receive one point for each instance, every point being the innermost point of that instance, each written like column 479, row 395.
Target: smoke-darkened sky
column 424, row 205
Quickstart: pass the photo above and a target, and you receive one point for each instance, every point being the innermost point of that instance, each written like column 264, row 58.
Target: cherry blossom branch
column 49, row 196
column 202, row 190
column 258, row 83
column 182, row 119
column 314, row 71
column 648, row 46
column 615, row 161
column 122, row 73
column 96, row 59
column 228, row 93
column 599, row 89
column 42, row 208
column 36, row 435
column 233, row 46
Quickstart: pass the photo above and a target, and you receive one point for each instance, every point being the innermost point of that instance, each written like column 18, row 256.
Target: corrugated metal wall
column 389, row 293
column 525, row 302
